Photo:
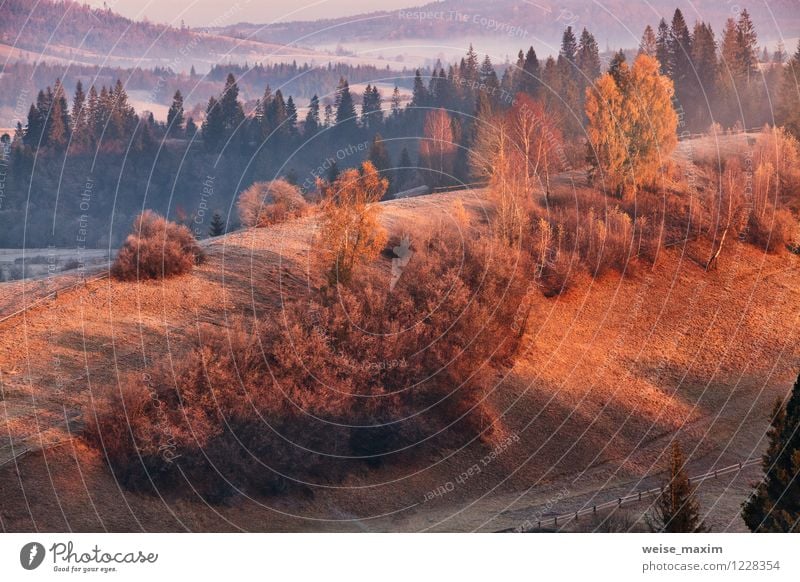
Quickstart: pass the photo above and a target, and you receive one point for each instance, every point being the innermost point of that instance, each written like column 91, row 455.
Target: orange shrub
column 156, row 249
column 266, row 203
column 341, row 377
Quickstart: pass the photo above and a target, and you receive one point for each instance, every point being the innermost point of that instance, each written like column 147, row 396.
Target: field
column 612, row 372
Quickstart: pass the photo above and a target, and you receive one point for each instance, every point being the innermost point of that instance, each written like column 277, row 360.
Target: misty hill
column 617, row 22
column 35, row 30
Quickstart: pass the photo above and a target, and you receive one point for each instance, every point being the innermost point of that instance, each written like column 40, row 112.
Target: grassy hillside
column 610, row 372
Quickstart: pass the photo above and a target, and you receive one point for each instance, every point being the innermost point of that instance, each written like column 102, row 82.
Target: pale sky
column 217, row 12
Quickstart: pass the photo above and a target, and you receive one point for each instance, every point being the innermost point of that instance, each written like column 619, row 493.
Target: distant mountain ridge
column 617, row 21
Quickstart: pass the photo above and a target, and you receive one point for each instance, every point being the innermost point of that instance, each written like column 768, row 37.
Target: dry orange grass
column 610, row 371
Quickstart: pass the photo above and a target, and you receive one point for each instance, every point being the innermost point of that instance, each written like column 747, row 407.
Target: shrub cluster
column 343, row 377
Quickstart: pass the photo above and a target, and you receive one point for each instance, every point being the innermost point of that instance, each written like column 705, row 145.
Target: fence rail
column 635, row 497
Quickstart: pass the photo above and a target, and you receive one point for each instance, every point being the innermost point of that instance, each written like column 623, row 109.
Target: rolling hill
column 612, row 371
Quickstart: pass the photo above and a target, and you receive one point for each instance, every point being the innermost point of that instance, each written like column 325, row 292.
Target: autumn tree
column 438, row 147
column 676, row 509
column 774, row 506
column 493, row 158
column 632, row 128
column 350, row 231
column 537, row 144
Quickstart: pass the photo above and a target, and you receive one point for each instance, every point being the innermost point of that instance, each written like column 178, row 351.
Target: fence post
column 619, row 501
column 555, row 521
column 594, row 509
column 640, row 495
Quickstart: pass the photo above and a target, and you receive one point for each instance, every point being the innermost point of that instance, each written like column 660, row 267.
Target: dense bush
column 266, row 203
column 156, row 249
column 342, row 377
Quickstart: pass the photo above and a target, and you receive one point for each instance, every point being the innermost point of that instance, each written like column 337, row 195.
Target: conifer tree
column 588, row 58
column 405, row 170
column 748, row 44
column 58, row 131
column 213, row 126
column 34, row 129
column 471, row 71
column 531, row 78
column 419, row 94
column 217, row 225
column 80, row 118
column 663, row 47
column 230, row 107
column 175, row 115
column 379, row 156
column 788, row 110
column 346, row 111
column 703, row 84
column 569, row 46
column 291, row 118
column 677, row 510
column 619, row 69
column 312, row 122
column 774, row 505
column 648, row 44
column 395, row 103
column 680, row 64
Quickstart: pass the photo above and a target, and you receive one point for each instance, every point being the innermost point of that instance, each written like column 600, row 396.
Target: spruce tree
column 80, row 118
column 213, row 126
column 291, row 117
column 396, row 103
column 378, row 154
column 419, row 94
column 277, row 115
column 175, row 115
column 569, row 46
column 680, row 64
column 677, row 510
column 788, row 110
column 312, row 122
column 217, row 225
column 619, row 69
column 346, row 111
column 404, row 171
column 34, row 129
column 648, row 44
column 531, row 74
column 774, row 505
column 58, row 123
column 748, row 43
column 663, row 47
column 588, row 58
column 230, row 107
